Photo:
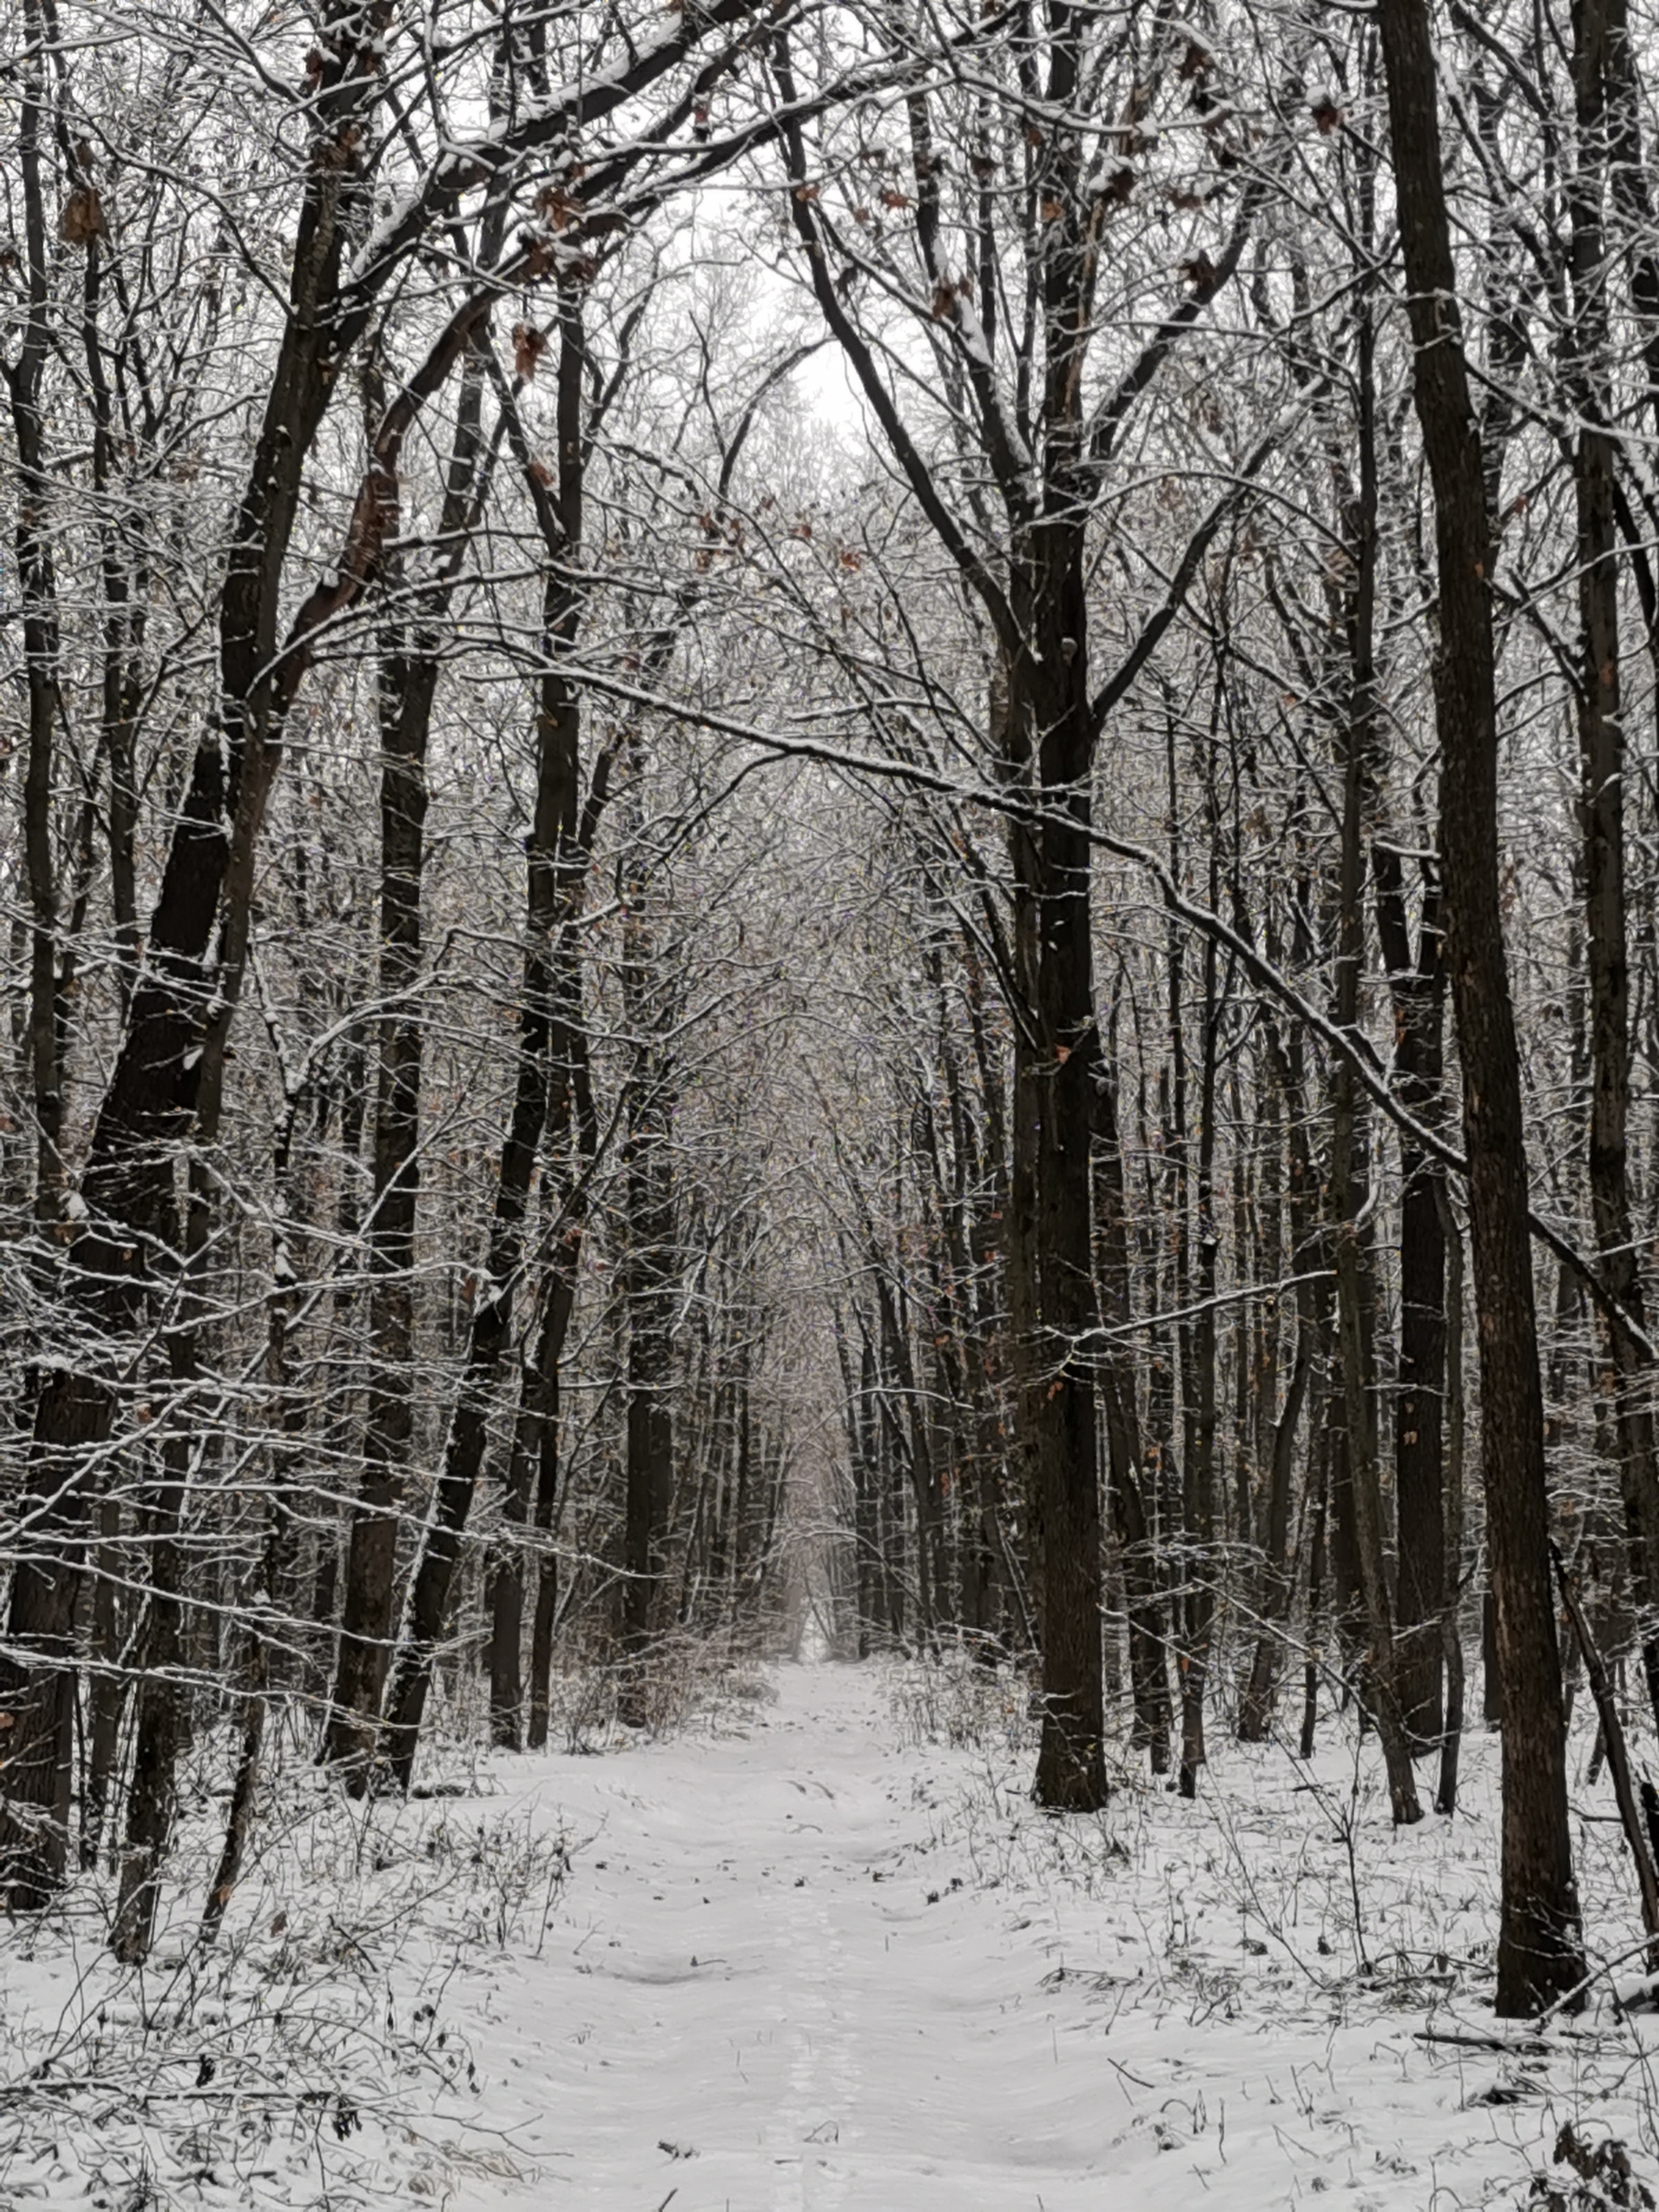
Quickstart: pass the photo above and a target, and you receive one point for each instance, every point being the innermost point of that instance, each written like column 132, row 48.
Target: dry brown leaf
column 82, row 219
column 529, row 344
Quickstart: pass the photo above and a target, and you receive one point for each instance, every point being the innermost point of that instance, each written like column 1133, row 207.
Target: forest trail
column 767, row 1987
column 803, row 1967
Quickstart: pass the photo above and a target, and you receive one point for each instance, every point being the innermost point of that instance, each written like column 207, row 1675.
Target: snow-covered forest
column 829, row 1106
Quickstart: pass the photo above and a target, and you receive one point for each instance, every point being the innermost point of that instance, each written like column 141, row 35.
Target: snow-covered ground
column 811, row 1956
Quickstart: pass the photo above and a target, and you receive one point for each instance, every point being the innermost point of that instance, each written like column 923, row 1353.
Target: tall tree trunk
column 1602, row 812
column 570, row 1121
column 1418, row 990
column 1199, row 1499
column 543, row 1521
column 1056, row 1108
column 490, row 1326
column 1149, row 1674
column 1540, row 1955
column 1445, row 1795
column 915, row 1448
column 557, row 850
column 649, row 1265
column 37, row 1692
column 1350, row 1147
column 163, row 1705
column 1256, row 1704
column 408, row 669
column 1319, row 1478
column 1310, row 1251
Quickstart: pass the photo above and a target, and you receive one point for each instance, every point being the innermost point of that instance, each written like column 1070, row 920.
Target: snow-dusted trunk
column 555, row 868
column 1451, row 1740
column 407, row 672
column 33, row 1828
column 149, row 1104
column 1199, row 1368
column 1309, row 1255
column 489, row 1327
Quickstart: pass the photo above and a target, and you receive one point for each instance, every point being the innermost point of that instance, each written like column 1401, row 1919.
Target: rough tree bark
column 1538, row 1953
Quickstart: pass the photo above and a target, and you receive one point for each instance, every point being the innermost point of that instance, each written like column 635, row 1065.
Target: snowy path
column 763, row 1984
column 804, row 1962
column 796, row 1968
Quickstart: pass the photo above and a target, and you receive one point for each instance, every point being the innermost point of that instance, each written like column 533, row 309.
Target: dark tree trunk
column 537, row 1405
column 1055, row 1072
column 489, row 1328
column 37, row 1693
column 409, row 671
column 106, row 1690
column 159, row 1737
column 1418, row 993
column 1359, row 1491
column 1539, row 1954
column 547, row 1571
column 650, row 1216
column 558, row 849
column 1451, row 1741
column 1310, row 1251
column 366, row 1612
column 1256, row 1704
column 915, row 1447
column 1601, row 810
column 1318, row 1575
column 1199, row 1369
column 1149, row 1672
